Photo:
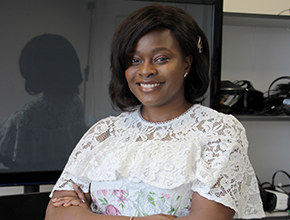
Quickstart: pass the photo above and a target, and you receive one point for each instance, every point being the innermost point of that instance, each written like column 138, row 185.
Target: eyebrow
column 154, row 50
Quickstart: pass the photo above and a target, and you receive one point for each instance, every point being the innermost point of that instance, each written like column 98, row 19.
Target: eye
column 134, row 61
column 161, row 59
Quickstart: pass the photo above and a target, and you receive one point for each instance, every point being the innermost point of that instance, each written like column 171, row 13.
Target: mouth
column 149, row 86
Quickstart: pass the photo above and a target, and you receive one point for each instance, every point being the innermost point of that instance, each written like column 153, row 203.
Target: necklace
column 166, row 121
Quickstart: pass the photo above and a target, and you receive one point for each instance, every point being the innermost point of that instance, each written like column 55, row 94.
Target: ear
column 187, row 63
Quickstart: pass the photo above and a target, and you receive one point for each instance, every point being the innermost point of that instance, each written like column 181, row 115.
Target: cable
column 279, row 171
column 284, row 11
column 274, row 100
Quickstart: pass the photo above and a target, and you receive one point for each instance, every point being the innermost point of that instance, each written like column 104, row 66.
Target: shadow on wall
column 41, row 134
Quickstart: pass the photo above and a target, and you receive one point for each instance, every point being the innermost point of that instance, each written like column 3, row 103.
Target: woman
column 165, row 153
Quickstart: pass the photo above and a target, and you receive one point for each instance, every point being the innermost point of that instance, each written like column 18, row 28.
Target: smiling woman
column 182, row 35
column 155, row 75
column 166, row 156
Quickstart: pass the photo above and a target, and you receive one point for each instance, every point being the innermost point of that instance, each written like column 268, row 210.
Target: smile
column 149, row 86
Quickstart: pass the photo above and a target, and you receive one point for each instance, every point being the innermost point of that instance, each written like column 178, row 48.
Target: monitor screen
column 54, row 77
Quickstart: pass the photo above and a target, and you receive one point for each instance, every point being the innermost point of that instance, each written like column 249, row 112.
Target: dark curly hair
column 140, row 22
column 49, row 64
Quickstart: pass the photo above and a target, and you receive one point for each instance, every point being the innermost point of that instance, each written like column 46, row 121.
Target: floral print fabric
column 140, row 201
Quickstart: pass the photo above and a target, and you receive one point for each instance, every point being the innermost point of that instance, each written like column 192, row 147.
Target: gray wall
column 260, row 54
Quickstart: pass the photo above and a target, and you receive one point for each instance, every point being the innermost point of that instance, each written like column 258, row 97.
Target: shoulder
column 110, row 123
column 216, row 120
column 209, row 113
column 219, row 133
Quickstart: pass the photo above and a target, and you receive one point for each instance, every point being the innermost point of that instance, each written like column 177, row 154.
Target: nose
column 147, row 69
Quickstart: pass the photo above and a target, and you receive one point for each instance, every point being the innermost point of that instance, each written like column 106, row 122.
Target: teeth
column 148, row 86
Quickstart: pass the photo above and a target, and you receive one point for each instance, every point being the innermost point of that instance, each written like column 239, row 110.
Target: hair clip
column 199, row 45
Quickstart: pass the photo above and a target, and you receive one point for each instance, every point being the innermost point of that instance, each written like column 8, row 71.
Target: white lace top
column 135, row 167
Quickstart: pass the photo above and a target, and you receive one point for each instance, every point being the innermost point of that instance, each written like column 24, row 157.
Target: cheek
column 176, row 75
column 127, row 76
column 130, row 75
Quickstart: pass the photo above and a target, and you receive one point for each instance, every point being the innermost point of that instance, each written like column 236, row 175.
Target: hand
column 169, row 216
column 78, row 200
column 160, row 217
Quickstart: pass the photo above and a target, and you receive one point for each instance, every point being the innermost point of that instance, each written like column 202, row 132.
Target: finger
column 69, row 202
column 169, row 216
column 57, row 204
column 73, row 203
column 77, row 202
column 62, row 203
column 64, row 198
column 84, row 205
column 81, row 195
column 79, row 192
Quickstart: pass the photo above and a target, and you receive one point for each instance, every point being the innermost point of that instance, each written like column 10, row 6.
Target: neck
column 160, row 114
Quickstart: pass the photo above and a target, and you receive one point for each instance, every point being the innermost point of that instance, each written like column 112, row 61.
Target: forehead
column 157, row 38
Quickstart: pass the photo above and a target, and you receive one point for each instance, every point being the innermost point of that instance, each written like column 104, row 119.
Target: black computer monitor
column 88, row 26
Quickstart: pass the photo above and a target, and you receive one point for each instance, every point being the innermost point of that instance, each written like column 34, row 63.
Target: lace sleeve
column 224, row 172
column 80, row 157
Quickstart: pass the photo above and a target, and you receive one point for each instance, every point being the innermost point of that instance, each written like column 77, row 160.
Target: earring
column 185, row 74
column 199, row 45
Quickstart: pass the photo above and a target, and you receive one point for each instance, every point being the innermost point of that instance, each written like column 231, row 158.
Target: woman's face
column 156, row 69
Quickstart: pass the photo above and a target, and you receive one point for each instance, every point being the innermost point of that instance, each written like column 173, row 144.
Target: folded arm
column 204, row 209
column 76, row 205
